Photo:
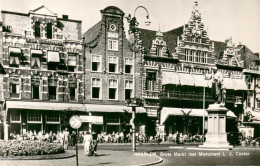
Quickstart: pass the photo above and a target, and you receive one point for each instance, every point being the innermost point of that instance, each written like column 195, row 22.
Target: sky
column 239, row 19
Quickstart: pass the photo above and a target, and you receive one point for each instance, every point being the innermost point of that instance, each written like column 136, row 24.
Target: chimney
column 65, row 17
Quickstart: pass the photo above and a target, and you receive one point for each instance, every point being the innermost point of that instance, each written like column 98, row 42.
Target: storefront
column 112, row 117
column 185, row 120
column 37, row 116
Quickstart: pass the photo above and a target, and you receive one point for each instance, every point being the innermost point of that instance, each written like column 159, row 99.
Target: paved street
column 176, row 155
column 120, row 154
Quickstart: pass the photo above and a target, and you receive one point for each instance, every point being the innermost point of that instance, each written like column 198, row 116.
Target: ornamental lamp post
column 135, row 101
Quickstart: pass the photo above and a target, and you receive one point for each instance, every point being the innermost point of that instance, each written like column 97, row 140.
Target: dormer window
column 49, row 31
column 37, row 29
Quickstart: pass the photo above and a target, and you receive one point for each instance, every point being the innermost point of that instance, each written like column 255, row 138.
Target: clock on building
column 75, row 122
column 112, row 27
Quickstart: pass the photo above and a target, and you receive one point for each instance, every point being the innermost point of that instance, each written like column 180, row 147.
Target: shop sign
column 92, row 119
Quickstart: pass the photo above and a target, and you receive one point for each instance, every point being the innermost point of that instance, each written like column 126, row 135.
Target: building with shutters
column 42, row 64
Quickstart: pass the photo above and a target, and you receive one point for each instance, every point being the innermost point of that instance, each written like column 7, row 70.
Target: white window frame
column 34, row 121
column 100, row 88
column 127, row 62
column 130, row 88
column 113, row 62
column 116, row 98
column 112, row 45
column 13, row 121
column 49, row 122
column 99, row 61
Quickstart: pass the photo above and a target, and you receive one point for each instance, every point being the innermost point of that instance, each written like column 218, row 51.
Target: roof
column 218, row 47
column 170, row 37
column 93, row 32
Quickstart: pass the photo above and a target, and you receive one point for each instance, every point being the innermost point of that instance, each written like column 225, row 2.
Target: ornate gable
column 159, row 46
column 193, row 45
column 231, row 56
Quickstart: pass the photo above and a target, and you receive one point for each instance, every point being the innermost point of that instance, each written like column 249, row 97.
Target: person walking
column 87, row 142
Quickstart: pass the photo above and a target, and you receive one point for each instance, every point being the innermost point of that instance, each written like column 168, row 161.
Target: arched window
column 37, row 29
column 49, row 31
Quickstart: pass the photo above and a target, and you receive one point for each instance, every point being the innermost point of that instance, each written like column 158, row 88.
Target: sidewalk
column 104, row 157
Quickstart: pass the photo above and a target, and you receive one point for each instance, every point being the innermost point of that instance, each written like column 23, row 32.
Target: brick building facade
column 112, row 71
column 42, row 57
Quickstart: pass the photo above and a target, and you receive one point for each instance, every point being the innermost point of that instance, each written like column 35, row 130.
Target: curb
column 40, row 157
column 152, row 163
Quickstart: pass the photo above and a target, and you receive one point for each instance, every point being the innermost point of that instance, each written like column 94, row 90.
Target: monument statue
column 216, row 136
column 218, row 90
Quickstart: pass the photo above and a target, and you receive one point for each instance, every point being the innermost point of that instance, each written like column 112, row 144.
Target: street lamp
column 135, row 102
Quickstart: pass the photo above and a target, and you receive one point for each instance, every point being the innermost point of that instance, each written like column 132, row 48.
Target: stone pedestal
column 216, row 136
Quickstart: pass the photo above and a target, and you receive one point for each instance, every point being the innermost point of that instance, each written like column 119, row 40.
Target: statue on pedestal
column 218, row 89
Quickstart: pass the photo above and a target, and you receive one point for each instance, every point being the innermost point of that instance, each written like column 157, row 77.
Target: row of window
column 34, row 117
column 15, row 92
column 96, row 91
column 112, row 64
column 96, row 62
column 196, row 56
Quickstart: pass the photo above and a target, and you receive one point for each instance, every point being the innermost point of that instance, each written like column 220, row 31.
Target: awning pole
column 204, row 89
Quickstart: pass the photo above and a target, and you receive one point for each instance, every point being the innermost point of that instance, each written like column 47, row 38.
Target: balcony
column 148, row 94
column 193, row 96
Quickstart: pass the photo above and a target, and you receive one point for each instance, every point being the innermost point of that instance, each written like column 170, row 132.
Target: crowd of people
column 90, row 140
column 184, row 138
column 63, row 137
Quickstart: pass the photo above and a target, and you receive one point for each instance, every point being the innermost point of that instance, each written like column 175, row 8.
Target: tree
column 189, row 122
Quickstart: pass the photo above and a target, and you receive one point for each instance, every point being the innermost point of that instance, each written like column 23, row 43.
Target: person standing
column 73, row 139
column 66, row 139
column 95, row 142
column 87, row 141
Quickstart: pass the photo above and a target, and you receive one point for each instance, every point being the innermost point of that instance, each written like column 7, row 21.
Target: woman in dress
column 86, row 141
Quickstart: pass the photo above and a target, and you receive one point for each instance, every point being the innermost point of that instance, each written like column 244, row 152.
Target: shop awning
column 200, row 81
column 236, row 84
column 43, row 106
column 170, row 78
column 53, row 56
column 36, row 52
column 112, row 108
column 228, row 83
column 14, row 50
column 240, row 84
column 186, row 79
column 72, row 60
column 167, row 111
